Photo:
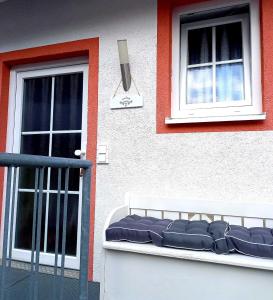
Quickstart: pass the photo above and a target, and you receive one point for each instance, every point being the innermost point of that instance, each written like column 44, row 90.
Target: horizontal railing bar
column 25, row 160
column 199, row 213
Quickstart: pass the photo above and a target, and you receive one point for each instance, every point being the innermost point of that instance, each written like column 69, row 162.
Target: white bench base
column 135, row 276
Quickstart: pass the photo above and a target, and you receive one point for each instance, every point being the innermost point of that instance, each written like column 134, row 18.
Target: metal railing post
column 5, row 236
column 38, row 233
column 64, row 231
column 57, row 233
column 33, row 238
column 85, row 225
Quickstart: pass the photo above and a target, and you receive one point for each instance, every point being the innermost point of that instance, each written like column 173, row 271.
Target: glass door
column 50, row 119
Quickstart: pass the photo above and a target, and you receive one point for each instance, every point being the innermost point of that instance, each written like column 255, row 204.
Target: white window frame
column 17, row 76
column 251, row 108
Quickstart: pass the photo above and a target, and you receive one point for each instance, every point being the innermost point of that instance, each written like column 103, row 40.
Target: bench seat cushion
column 192, row 235
column 222, row 245
column 138, row 230
column 255, row 241
column 198, row 235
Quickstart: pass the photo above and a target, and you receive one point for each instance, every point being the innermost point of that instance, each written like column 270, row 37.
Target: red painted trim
column 164, row 61
column 88, row 47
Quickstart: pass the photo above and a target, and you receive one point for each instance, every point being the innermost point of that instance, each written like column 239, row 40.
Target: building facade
column 213, row 151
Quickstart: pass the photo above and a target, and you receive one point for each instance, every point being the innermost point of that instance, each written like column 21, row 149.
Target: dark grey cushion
column 192, row 235
column 217, row 236
column 251, row 241
column 138, row 230
column 217, row 230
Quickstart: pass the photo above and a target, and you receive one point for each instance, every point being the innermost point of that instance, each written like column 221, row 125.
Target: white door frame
column 14, row 132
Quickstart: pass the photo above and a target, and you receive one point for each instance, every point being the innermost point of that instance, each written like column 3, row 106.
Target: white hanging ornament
column 126, row 99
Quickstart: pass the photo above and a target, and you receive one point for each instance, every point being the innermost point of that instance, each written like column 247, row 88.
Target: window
column 216, row 64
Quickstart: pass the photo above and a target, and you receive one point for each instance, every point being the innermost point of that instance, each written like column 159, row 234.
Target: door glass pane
column 229, row 44
column 64, row 145
column 36, row 104
column 199, row 85
column 230, row 82
column 72, row 224
column 37, row 144
column 24, row 219
column 200, row 46
column 68, row 102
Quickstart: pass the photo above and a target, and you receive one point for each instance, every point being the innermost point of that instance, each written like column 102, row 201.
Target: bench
column 146, row 272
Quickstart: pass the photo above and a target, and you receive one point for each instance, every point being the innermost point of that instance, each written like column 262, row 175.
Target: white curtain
column 229, row 82
column 199, row 85
column 200, row 79
column 229, row 76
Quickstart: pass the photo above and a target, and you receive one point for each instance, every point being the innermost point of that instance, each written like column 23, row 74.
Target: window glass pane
column 72, row 224
column 68, row 102
column 36, row 102
column 200, row 46
column 64, row 145
column 230, row 82
column 24, row 219
column 37, row 144
column 199, row 85
column 229, row 42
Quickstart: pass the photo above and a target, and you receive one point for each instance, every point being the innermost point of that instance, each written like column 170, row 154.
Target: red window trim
column 164, row 66
column 87, row 47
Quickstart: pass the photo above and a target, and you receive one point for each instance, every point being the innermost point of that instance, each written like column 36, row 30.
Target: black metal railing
column 13, row 163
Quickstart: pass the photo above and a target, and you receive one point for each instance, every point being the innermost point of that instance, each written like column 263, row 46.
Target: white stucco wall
column 215, row 166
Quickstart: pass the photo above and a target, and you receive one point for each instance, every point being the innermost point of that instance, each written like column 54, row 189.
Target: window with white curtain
column 216, row 63
column 216, row 67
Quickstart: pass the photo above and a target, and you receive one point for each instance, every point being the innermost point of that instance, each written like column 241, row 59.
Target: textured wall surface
column 214, row 166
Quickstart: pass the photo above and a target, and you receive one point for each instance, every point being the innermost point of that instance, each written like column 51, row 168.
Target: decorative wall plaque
column 126, row 99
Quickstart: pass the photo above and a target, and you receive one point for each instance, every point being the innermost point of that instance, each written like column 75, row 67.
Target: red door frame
column 86, row 47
